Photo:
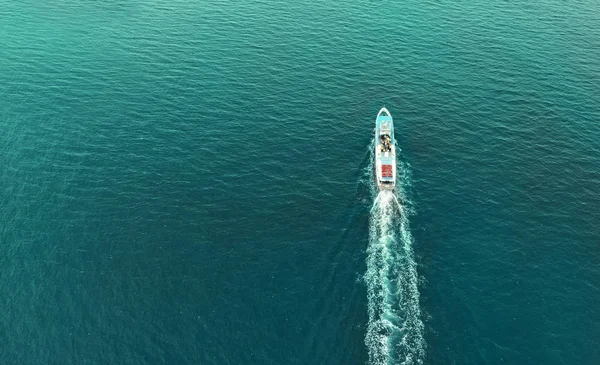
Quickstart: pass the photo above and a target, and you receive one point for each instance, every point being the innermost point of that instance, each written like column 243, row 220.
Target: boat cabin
column 385, row 140
column 385, row 143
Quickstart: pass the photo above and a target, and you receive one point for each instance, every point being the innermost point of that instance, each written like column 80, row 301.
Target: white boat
column 385, row 151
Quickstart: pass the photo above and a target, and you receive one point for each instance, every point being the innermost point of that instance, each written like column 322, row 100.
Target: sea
column 191, row 182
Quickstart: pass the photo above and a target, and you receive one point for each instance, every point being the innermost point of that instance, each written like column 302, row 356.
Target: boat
column 385, row 151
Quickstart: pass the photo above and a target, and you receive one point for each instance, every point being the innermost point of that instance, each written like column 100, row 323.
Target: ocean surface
column 191, row 182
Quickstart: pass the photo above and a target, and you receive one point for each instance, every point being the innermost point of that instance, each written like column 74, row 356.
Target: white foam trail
column 395, row 329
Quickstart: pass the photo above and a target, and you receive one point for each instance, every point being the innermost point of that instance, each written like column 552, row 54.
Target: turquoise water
column 190, row 182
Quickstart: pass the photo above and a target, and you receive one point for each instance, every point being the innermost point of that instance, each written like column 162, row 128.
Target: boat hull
column 385, row 151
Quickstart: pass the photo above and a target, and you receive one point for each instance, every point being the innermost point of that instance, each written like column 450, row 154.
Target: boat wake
column 395, row 329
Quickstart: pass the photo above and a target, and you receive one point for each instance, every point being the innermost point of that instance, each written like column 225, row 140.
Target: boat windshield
column 385, row 127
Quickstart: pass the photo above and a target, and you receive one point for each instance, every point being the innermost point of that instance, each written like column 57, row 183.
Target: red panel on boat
column 386, row 170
